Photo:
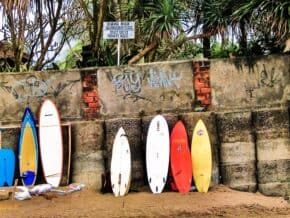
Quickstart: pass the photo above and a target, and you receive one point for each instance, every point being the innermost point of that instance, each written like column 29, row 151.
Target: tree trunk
column 154, row 45
column 145, row 51
column 206, row 43
column 101, row 15
column 243, row 37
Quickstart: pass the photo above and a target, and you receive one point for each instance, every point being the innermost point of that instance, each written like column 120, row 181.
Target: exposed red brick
column 92, row 94
column 206, row 84
column 197, row 91
column 198, row 85
column 89, row 99
column 198, row 75
column 205, row 90
column 93, row 105
column 201, row 98
column 205, row 74
column 201, row 82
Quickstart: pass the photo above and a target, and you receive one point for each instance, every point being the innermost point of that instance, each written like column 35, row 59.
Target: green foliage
column 164, row 18
column 228, row 50
column 259, row 27
column 72, row 57
column 5, row 66
column 268, row 16
column 172, row 50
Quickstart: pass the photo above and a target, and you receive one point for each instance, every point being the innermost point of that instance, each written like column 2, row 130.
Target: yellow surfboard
column 201, row 157
column 28, row 149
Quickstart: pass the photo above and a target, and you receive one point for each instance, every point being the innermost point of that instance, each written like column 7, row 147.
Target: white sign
column 119, row 30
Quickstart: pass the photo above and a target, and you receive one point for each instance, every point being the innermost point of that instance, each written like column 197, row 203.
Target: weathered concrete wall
column 237, row 150
column 135, row 90
column 88, row 145
column 18, row 90
column 256, row 82
column 97, row 100
column 273, row 151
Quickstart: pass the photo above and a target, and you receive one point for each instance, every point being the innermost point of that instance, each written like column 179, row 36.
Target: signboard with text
column 119, row 30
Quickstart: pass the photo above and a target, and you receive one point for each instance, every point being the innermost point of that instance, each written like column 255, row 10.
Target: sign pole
column 119, row 50
column 119, row 30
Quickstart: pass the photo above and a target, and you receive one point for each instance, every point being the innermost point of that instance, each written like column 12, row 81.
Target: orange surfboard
column 180, row 158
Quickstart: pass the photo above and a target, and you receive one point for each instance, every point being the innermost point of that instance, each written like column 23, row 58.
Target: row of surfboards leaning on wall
column 165, row 152
column 48, row 141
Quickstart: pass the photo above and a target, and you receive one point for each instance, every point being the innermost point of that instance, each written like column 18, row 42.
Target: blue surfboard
column 7, row 166
column 28, row 149
column 2, row 168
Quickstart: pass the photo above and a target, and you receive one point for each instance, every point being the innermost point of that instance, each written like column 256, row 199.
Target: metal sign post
column 119, row 52
column 119, row 30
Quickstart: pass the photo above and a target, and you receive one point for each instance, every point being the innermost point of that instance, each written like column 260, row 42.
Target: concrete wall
column 249, row 83
column 18, row 90
column 134, row 90
column 97, row 100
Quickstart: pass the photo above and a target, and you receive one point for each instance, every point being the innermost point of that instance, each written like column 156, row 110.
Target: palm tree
column 273, row 17
column 163, row 23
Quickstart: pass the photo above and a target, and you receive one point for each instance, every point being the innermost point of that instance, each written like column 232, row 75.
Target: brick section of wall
column 90, row 95
column 201, row 73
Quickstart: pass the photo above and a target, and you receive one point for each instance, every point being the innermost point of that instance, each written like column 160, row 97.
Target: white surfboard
column 121, row 164
column 157, row 153
column 50, row 143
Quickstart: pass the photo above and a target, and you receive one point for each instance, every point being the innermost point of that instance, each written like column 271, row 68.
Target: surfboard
column 50, row 143
column 28, row 149
column 120, row 164
column 7, row 165
column 180, row 158
column 157, row 154
column 201, row 157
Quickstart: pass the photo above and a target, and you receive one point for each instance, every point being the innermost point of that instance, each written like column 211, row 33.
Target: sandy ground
column 218, row 202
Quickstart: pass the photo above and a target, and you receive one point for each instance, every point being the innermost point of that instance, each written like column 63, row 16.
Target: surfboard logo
column 200, row 132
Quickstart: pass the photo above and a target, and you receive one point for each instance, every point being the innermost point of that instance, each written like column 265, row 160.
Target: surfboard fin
column 120, row 178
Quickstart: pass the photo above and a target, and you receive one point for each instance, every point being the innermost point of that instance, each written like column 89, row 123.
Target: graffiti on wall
column 32, row 87
column 267, row 79
column 162, row 79
column 129, row 84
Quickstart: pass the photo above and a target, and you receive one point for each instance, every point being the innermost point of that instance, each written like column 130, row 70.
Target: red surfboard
column 180, row 158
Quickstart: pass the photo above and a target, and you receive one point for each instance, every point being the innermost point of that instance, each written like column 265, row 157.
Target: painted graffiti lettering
column 162, row 79
column 128, row 82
